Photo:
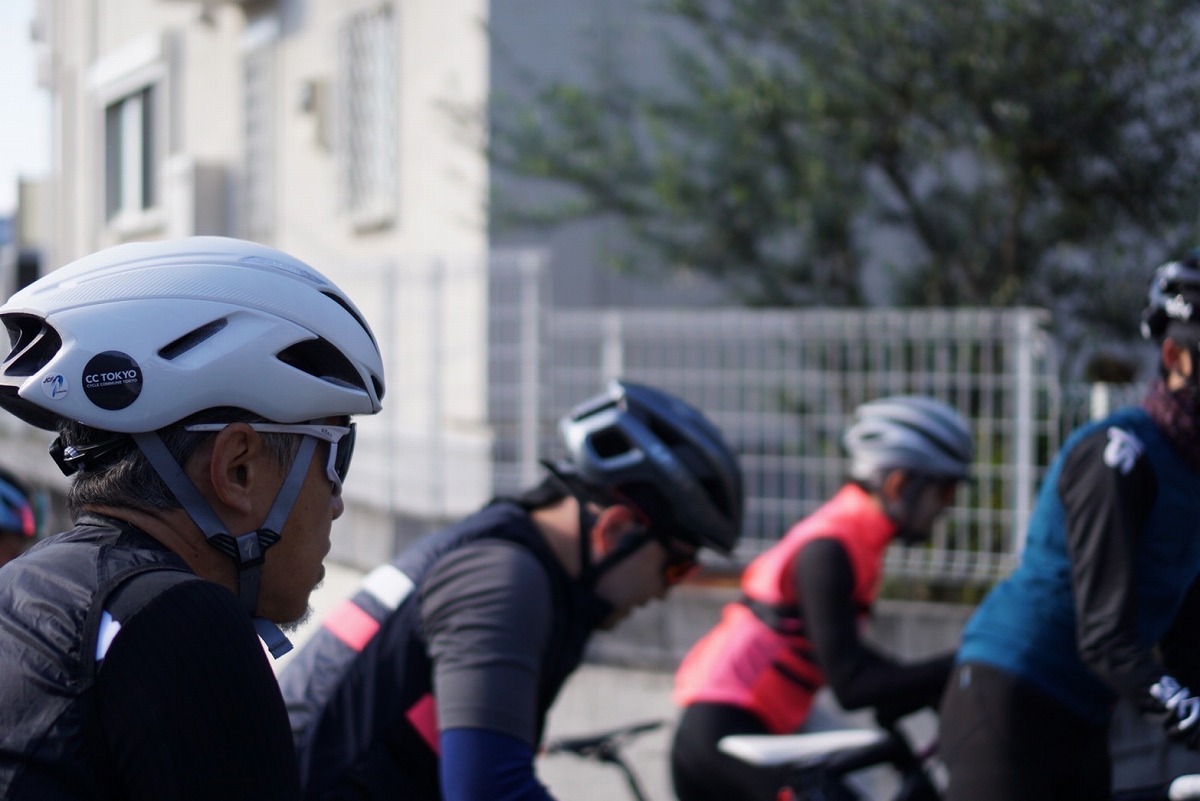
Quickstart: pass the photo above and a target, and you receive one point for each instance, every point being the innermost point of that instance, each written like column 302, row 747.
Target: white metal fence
column 480, row 367
column 782, row 385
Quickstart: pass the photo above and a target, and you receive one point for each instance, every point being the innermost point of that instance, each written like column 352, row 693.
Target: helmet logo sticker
column 112, row 380
column 55, row 386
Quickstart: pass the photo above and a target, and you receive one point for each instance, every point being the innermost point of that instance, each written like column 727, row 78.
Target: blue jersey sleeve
column 485, row 765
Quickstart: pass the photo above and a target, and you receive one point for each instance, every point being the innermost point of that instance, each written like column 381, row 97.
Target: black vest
column 51, row 602
column 348, row 707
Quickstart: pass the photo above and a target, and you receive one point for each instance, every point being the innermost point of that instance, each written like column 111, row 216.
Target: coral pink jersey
column 758, row 657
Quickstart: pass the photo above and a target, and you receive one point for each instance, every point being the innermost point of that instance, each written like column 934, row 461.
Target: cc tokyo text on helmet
column 139, row 336
column 664, row 456
column 1173, row 297
column 908, row 432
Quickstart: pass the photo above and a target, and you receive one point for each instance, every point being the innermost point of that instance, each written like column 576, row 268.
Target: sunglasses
column 340, row 439
column 679, row 563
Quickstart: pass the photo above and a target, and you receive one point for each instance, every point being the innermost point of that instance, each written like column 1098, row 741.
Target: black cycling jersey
column 184, row 704
column 473, row 628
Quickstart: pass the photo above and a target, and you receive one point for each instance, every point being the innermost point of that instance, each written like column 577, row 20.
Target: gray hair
column 130, row 481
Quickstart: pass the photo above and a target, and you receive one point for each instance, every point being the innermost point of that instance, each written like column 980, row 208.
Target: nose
column 339, row 506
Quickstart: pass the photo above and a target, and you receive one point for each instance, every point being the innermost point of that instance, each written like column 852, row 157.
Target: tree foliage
column 980, row 152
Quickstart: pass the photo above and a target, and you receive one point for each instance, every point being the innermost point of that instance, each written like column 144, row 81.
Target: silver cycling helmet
column 1173, row 297
column 908, row 432
column 664, row 456
column 141, row 335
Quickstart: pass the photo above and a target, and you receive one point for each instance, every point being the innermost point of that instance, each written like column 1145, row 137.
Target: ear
column 892, row 487
column 1176, row 358
column 612, row 525
column 236, row 462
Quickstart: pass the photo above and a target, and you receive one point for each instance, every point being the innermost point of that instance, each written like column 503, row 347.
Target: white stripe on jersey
column 108, row 631
column 388, row 585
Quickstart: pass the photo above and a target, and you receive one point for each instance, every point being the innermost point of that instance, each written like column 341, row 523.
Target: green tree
column 980, row 152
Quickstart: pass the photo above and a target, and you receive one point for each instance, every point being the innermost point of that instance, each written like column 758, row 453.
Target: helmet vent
column 173, row 350
column 319, row 358
column 352, row 312
column 33, row 342
column 610, row 442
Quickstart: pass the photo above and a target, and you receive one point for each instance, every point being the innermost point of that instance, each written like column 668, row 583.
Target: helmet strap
column 588, row 572
column 246, row 550
column 900, row 510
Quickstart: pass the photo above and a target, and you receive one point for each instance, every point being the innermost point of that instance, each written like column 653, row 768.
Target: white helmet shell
column 139, row 336
column 908, row 432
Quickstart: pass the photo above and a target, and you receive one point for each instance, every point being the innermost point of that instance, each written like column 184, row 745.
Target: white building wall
column 419, row 275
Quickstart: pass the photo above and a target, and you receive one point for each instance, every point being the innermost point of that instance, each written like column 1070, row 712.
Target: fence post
column 437, row 364
column 1101, row 400
column 1024, row 470
column 612, row 351
column 529, row 266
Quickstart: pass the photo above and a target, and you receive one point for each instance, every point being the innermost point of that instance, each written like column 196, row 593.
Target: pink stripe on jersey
column 350, row 624
column 423, row 717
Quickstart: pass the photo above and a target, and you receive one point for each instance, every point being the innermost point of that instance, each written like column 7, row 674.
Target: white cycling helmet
column 908, row 432
column 141, row 335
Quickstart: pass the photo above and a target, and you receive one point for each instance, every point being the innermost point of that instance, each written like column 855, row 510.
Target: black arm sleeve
column 1181, row 645
column 189, row 707
column 1107, row 487
column 858, row 675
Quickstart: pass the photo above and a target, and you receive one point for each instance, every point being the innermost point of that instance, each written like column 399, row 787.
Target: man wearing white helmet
column 434, row 680
column 796, row 627
column 202, row 391
column 1105, row 603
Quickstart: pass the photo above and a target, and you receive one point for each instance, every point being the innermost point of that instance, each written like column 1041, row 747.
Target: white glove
column 1182, row 709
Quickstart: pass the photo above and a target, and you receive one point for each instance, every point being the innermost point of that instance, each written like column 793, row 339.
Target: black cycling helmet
column 664, row 456
column 908, row 432
column 1173, row 297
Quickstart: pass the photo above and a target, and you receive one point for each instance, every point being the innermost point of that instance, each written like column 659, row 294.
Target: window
column 129, row 155
column 368, row 116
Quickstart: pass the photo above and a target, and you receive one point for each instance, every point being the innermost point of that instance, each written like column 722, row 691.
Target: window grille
column 260, row 119
column 368, row 116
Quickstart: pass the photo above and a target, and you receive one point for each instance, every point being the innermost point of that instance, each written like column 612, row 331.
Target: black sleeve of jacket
column 1104, row 507
column 1180, row 646
column 858, row 675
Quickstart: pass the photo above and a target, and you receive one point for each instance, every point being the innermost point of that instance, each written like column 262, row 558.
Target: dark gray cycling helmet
column 662, row 455
column 1174, row 297
column 908, row 432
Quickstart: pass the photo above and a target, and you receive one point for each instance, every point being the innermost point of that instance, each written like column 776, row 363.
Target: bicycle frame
column 605, row 747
